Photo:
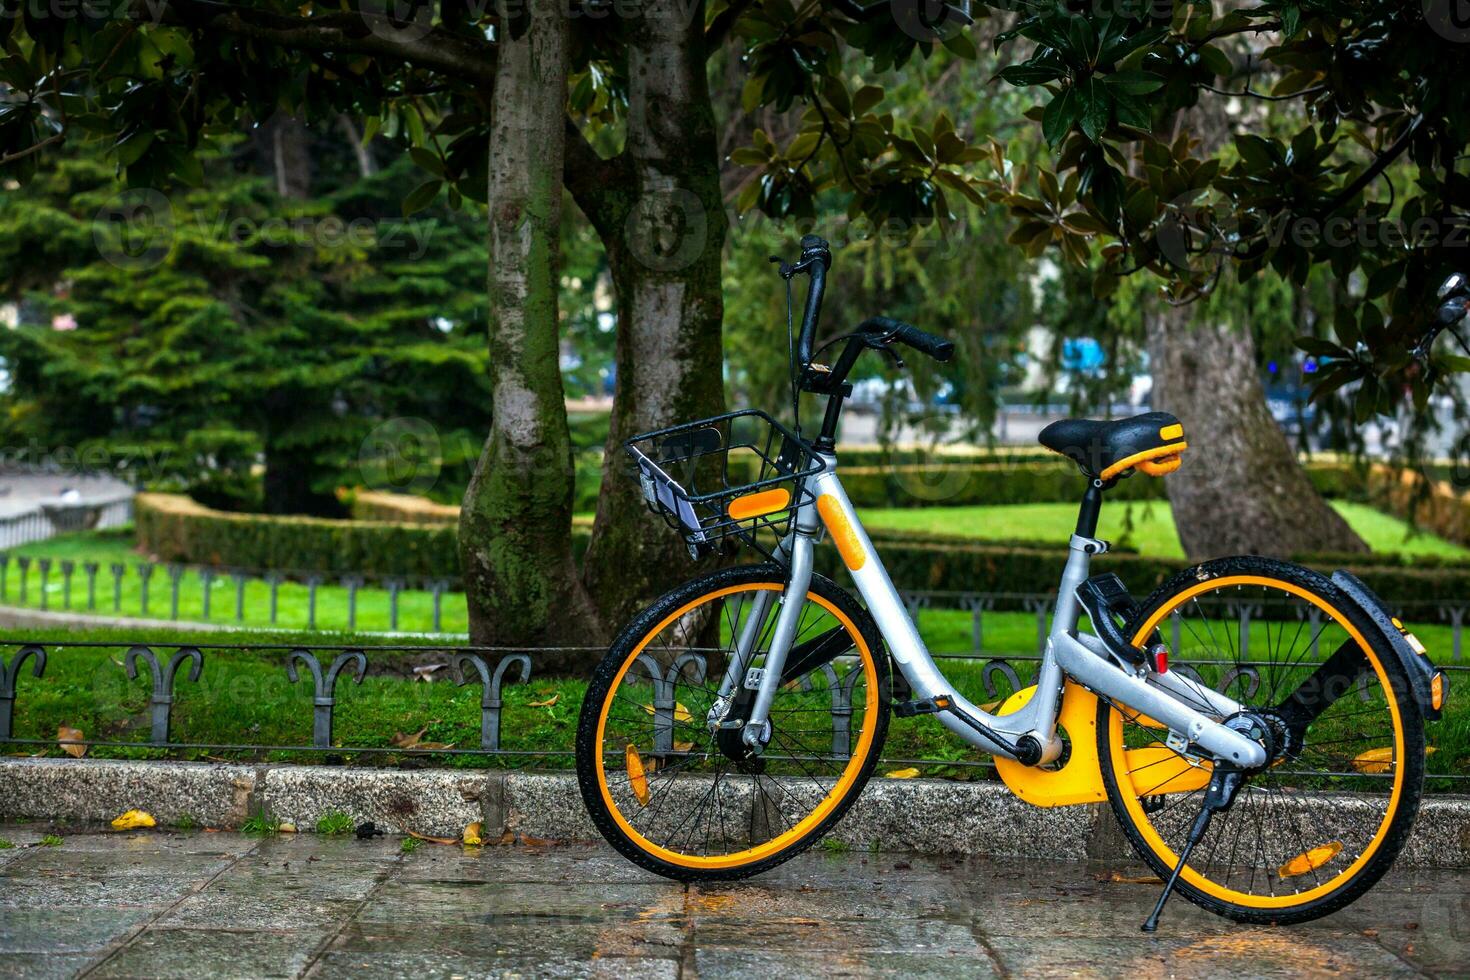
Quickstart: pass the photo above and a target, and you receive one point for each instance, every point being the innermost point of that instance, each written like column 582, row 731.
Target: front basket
column 741, row 475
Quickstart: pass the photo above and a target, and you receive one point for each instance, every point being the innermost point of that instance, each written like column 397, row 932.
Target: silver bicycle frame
column 1165, row 697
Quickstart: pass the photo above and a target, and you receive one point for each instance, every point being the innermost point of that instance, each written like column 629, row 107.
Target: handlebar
column 906, row 333
column 874, row 333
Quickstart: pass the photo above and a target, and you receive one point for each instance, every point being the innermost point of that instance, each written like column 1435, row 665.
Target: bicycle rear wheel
column 1325, row 820
column 679, row 799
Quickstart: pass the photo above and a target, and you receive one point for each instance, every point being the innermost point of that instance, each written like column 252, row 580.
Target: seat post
column 1091, row 509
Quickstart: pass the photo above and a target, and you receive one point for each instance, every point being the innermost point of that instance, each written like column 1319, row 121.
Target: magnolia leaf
column 909, row 773
column 681, row 713
column 471, row 836
column 133, row 820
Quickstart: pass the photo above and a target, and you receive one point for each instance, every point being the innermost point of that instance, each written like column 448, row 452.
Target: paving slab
column 221, row 905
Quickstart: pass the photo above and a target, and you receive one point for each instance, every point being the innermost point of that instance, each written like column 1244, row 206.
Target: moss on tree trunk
column 662, row 220
column 515, row 526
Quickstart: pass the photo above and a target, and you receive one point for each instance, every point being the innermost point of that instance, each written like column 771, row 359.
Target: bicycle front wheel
column 683, row 800
column 1326, row 818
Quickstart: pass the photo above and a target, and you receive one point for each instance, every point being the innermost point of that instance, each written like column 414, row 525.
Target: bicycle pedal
column 926, row 706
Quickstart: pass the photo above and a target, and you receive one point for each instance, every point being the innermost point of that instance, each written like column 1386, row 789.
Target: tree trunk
column 515, row 526
column 366, row 166
column 658, row 210
column 291, row 156
column 1241, row 489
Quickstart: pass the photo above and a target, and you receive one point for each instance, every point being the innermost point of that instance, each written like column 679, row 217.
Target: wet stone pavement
column 223, row 905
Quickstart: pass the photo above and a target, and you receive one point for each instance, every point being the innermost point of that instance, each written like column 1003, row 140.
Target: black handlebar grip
column 906, row 333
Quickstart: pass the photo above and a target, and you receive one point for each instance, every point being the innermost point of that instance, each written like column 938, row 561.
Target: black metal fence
column 324, row 669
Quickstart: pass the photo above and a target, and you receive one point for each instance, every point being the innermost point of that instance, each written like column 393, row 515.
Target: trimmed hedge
column 1433, row 505
column 175, row 528
column 1004, row 568
column 402, row 508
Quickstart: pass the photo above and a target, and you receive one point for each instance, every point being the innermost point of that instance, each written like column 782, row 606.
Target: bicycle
column 702, row 754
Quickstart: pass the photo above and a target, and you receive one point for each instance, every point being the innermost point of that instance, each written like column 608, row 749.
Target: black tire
column 1399, row 806
column 635, row 637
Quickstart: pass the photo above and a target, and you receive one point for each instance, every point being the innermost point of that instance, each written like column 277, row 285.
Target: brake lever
column 891, row 354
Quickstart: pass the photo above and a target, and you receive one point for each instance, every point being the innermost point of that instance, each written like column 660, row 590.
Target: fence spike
column 9, row 674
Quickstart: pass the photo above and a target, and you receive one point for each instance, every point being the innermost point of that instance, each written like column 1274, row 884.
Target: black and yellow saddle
column 1106, row 450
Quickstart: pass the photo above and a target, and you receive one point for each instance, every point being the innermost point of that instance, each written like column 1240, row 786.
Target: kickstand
column 1224, row 784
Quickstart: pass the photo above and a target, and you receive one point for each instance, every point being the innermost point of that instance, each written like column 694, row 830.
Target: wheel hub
column 1263, row 729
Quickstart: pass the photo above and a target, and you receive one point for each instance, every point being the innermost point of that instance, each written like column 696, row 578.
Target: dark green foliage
column 222, row 326
column 1359, row 120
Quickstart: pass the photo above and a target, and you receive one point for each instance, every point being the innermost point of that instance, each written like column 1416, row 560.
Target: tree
column 1334, row 93
column 153, row 82
column 1296, row 188
column 232, row 326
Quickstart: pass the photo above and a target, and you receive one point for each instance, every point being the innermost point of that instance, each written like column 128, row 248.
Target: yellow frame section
column 829, row 802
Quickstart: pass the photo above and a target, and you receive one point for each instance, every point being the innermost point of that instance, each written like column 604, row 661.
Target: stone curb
column 923, row 815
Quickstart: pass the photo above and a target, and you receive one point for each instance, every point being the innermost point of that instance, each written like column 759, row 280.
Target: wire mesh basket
column 737, row 476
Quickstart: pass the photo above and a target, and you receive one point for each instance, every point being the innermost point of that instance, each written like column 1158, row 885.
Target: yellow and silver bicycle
column 734, row 721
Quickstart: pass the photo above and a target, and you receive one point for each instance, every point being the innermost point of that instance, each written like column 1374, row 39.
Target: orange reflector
column 1436, row 692
column 759, row 504
column 1310, row 860
column 1171, row 432
column 637, row 778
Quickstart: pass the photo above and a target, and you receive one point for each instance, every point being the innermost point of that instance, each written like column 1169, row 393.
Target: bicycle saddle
column 1105, row 449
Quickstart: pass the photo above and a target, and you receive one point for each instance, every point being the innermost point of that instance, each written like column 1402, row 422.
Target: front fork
column 796, row 552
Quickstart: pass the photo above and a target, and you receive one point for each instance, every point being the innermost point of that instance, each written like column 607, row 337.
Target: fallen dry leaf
column 544, row 704
column 681, row 713
column 1118, row 878
column 402, row 741
column 65, row 734
column 683, row 746
column 471, row 836
column 433, row 840
column 908, row 773
column 134, row 819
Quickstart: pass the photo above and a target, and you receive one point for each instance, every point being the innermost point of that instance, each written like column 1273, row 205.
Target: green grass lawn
column 415, row 608
column 1146, row 526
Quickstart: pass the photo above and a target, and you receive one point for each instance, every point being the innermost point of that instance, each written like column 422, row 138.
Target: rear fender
column 1416, row 663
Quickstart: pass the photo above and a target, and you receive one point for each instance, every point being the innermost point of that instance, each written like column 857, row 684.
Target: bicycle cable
column 791, row 370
